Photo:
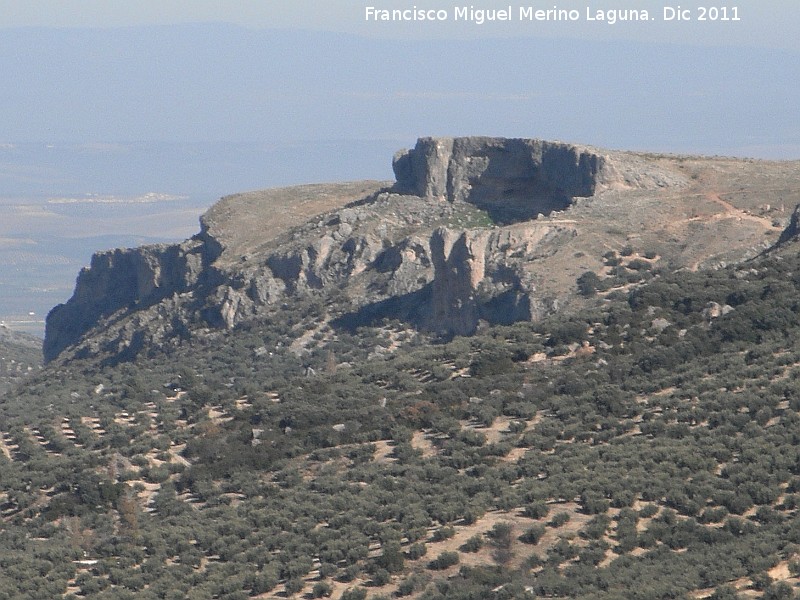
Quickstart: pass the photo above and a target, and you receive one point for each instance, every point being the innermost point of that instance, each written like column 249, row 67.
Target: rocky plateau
column 473, row 230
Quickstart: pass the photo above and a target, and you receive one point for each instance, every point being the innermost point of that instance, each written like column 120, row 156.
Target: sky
column 100, row 71
column 767, row 23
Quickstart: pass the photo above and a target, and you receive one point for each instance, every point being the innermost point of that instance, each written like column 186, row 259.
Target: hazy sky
column 674, row 85
column 767, row 23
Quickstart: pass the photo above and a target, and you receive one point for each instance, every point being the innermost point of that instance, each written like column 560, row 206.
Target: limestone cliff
column 473, row 229
column 123, row 279
column 483, row 275
column 513, row 179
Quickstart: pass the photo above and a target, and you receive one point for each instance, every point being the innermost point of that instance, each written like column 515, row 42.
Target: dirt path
column 729, row 211
column 732, row 212
column 421, row 441
column 494, row 433
column 383, row 451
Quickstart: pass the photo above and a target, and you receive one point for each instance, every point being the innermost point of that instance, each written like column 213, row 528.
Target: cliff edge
column 513, row 179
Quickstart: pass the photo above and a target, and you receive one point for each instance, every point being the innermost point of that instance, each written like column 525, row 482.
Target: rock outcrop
column 483, row 275
column 474, row 229
column 513, row 179
column 127, row 279
column 792, row 230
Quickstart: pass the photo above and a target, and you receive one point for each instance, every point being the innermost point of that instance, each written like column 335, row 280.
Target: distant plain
column 61, row 203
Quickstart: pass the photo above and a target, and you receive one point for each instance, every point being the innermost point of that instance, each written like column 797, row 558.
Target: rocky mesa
column 513, row 179
column 473, row 229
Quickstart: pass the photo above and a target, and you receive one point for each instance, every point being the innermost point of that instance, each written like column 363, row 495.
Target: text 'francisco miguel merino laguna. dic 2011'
column 610, row 16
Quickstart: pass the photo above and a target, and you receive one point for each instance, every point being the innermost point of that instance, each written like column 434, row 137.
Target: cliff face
column 124, row 279
column 513, row 179
column 485, row 275
column 792, row 230
column 474, row 229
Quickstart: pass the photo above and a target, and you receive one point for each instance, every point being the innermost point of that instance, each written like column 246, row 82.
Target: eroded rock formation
column 422, row 250
column 128, row 279
column 484, row 275
column 513, row 179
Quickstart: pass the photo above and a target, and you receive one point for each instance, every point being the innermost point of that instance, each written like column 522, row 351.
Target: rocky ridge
column 473, row 229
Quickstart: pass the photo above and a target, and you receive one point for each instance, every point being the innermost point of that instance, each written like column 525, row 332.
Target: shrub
column 416, row 551
column 264, row 582
column 293, row 586
column 381, row 577
column 794, row 567
column 725, row 592
column 391, row 558
column 406, row 587
column 779, row 591
column 588, row 284
column 501, row 534
column 637, row 264
column 594, row 504
column 444, row 561
column 648, row 510
column 327, row 569
column 443, row 533
column 354, row 594
column 536, row 510
column 473, row 544
column 492, row 361
column 761, row 581
column 517, row 426
column 532, row 535
column 596, row 528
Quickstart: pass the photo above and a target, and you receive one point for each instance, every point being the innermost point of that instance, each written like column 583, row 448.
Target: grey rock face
column 123, row 279
column 423, row 171
column 513, row 179
column 483, row 275
column 792, row 229
column 459, row 262
column 407, row 264
column 376, row 250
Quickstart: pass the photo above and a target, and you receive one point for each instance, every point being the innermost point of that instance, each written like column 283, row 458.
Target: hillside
column 20, row 355
column 639, row 440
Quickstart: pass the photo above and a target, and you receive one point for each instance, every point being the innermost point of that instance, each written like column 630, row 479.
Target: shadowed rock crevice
column 412, row 308
column 416, row 310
